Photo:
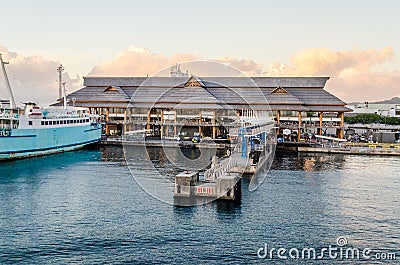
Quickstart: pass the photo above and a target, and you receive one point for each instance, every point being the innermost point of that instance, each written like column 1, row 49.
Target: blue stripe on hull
column 47, row 141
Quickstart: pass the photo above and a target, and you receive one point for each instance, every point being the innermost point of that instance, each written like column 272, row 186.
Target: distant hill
column 395, row 100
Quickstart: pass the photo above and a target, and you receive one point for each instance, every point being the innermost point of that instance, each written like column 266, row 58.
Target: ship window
column 46, row 122
column 87, row 120
column 42, row 122
column 50, row 122
column 30, row 122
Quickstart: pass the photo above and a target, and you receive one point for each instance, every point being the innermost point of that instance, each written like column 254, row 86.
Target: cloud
column 350, row 70
column 352, row 73
column 352, row 78
column 313, row 62
column 138, row 61
column 33, row 78
column 247, row 67
column 366, row 86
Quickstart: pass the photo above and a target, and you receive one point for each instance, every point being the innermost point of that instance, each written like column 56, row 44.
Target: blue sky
column 84, row 34
column 264, row 31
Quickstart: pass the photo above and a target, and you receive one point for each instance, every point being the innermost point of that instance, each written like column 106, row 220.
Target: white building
column 382, row 109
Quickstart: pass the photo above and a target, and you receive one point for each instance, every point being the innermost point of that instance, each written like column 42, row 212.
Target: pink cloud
column 34, row 78
column 137, row 61
column 351, row 71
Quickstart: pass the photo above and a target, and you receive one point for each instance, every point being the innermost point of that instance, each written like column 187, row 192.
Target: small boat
column 35, row 131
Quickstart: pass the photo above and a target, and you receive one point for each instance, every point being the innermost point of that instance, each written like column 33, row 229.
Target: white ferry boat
column 35, row 131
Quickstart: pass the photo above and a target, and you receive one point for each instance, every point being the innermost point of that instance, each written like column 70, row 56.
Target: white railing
column 219, row 169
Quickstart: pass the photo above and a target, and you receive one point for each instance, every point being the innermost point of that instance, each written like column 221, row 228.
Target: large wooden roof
column 284, row 93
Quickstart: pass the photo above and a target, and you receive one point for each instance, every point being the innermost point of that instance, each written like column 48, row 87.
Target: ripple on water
column 85, row 207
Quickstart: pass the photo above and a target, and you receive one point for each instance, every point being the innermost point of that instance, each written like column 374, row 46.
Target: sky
column 356, row 43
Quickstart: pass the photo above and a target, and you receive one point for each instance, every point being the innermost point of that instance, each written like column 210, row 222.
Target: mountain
column 395, row 100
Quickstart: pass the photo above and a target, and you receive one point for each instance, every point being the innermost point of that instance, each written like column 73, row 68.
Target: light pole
column 60, row 69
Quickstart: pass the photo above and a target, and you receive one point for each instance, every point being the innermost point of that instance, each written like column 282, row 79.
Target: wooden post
column 162, row 124
column 200, row 123
column 148, row 120
column 278, row 122
column 213, row 125
column 341, row 119
column 124, row 122
column 299, row 129
column 320, row 123
column 340, row 131
column 175, row 132
column 107, row 129
column 278, row 117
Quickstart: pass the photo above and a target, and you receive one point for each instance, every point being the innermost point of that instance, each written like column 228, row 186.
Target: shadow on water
column 223, row 209
column 191, row 153
column 35, row 165
column 231, row 208
column 308, row 162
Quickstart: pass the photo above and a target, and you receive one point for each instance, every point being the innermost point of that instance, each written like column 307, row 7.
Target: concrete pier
column 226, row 187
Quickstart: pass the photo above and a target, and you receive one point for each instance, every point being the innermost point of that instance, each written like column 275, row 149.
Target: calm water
column 84, row 207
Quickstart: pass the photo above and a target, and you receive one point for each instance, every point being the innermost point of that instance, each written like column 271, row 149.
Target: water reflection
column 228, row 209
column 35, row 166
column 110, row 152
column 308, row 162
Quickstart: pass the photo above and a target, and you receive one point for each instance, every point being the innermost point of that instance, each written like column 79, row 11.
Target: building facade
column 382, row 109
column 168, row 106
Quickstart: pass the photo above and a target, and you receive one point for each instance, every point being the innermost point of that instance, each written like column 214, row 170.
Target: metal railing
column 219, row 169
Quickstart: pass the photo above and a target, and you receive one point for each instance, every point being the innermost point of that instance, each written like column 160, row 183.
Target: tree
column 371, row 118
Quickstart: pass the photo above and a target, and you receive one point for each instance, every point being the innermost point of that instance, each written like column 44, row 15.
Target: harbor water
column 84, row 207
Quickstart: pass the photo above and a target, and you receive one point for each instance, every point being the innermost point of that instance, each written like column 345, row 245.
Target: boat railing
column 9, row 114
column 5, row 132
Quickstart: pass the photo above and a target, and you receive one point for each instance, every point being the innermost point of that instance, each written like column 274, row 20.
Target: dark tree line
column 371, row 118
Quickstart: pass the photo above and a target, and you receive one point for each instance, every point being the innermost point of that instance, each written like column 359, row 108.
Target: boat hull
column 22, row 143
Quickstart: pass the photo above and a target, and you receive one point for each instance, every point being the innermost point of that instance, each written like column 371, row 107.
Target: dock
column 219, row 182
column 389, row 150
column 223, row 180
